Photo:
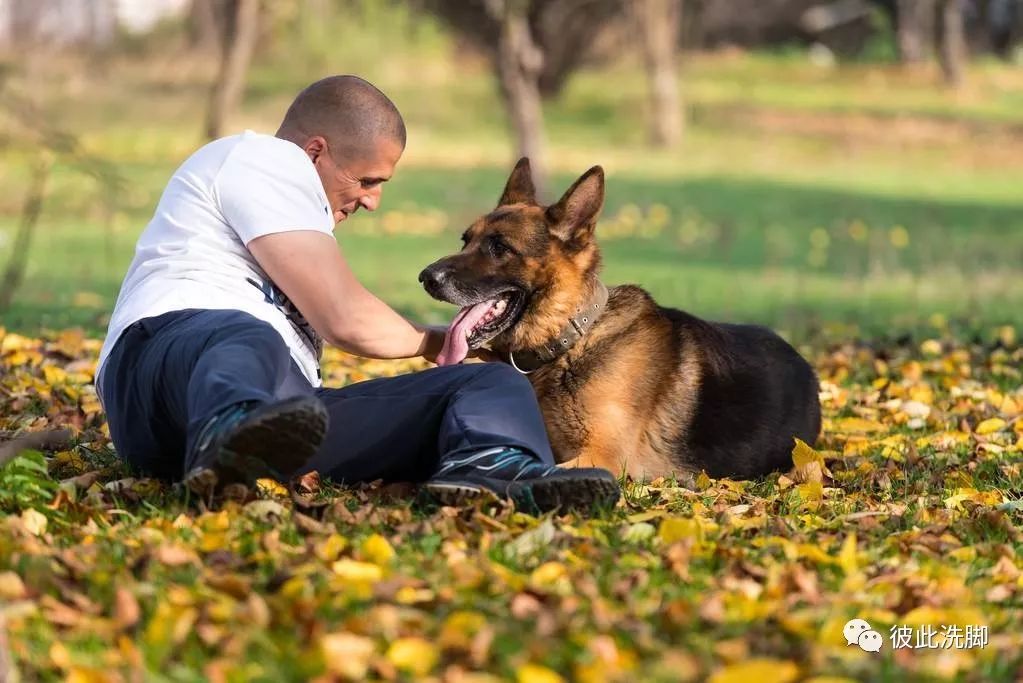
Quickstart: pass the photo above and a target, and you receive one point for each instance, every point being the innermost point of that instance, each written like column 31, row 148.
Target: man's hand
column 434, row 342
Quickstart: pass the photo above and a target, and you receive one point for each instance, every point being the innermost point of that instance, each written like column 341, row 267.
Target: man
column 210, row 370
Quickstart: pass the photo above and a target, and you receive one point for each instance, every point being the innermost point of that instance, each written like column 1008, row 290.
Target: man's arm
column 309, row 268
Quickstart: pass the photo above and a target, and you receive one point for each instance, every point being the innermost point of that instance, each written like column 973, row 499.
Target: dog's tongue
column 456, row 343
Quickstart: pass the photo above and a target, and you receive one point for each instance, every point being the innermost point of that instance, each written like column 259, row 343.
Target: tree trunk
column 979, row 33
column 691, row 24
column 238, row 46
column 914, row 30
column 953, row 52
column 204, row 29
column 659, row 22
column 518, row 62
column 14, row 272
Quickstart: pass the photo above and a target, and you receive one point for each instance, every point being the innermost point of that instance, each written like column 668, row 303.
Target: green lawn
column 801, row 197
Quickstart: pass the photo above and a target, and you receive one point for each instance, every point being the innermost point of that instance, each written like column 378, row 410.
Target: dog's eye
column 498, row 248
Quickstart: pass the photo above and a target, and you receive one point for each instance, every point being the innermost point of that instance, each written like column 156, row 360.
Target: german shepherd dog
column 623, row 383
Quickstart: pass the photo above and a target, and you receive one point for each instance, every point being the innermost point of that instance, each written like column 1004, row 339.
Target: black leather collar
column 531, row 360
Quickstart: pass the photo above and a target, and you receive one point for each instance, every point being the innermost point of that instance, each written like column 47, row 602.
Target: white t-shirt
column 193, row 252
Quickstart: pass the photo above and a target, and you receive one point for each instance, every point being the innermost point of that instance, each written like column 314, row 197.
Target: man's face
column 354, row 182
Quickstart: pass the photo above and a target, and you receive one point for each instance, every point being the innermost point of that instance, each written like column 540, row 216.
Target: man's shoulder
column 252, row 158
column 253, row 145
column 249, row 148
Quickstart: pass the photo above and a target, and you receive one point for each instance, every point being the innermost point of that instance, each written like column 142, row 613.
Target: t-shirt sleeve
column 265, row 187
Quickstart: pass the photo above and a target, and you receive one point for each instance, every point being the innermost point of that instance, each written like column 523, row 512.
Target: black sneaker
column 249, row 441
column 531, row 485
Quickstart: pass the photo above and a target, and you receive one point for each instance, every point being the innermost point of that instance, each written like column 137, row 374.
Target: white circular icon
column 870, row 641
column 858, row 632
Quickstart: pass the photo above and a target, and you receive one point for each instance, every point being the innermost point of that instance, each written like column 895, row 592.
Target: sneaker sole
column 534, row 495
column 273, row 443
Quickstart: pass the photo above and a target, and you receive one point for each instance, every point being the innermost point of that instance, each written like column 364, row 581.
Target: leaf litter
column 906, row 512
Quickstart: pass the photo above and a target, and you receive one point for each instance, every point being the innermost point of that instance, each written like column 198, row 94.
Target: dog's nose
column 431, row 276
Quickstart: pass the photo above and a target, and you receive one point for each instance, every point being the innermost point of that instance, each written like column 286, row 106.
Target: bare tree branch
column 236, row 55
column 14, row 272
column 34, row 128
column 49, row 440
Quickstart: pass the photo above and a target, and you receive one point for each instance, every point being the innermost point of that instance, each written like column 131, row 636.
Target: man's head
column 354, row 136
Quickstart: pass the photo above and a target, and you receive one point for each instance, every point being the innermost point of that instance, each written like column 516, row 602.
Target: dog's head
column 523, row 268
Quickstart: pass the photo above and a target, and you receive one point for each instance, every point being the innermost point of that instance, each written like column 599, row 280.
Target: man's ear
column 519, row 189
column 575, row 215
column 315, row 147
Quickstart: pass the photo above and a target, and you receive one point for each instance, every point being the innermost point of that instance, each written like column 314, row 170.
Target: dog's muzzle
column 432, row 278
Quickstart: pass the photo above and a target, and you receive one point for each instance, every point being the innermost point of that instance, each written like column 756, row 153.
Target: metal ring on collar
column 511, row 360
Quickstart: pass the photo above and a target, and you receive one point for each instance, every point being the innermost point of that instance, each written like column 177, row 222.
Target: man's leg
column 400, row 428
column 464, row 428
column 190, row 389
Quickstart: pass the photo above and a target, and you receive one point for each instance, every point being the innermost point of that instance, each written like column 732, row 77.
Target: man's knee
column 495, row 374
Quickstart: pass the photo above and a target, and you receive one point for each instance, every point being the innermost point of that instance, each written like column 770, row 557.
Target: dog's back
column 756, row 393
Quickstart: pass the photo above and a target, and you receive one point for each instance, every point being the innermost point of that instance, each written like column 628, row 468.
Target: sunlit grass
column 800, row 195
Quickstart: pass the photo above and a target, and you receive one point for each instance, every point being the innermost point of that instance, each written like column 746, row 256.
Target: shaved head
column 351, row 114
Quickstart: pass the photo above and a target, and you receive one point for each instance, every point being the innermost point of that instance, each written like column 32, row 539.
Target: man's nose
column 371, row 201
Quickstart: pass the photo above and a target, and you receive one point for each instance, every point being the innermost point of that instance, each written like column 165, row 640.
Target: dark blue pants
column 167, row 375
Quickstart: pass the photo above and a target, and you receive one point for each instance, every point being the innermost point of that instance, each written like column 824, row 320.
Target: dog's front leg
column 615, row 462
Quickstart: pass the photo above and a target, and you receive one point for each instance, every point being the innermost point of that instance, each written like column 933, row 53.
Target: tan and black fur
column 648, row 390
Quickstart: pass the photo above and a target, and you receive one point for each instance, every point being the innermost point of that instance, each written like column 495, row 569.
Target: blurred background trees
column 534, row 46
column 775, row 160
column 231, row 28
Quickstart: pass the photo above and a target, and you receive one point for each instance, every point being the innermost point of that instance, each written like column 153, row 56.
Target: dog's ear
column 573, row 218
column 519, row 189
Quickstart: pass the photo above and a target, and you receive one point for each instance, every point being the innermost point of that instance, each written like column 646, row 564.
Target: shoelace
column 498, row 463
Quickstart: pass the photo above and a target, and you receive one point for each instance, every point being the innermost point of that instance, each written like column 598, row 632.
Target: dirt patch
column 996, row 143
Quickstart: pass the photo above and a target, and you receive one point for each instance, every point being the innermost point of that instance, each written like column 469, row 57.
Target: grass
column 802, row 197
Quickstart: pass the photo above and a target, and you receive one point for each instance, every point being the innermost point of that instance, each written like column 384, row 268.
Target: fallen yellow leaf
column 377, row 550
column 757, row 669
column 347, row 654
column 548, row 575
column 413, row 655
column 459, row 629
column 358, row 572
column 534, row 673
column 674, row 529
column 11, row 586
column 34, row 521
column 331, row 547
column 990, row 426
column 857, row 425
